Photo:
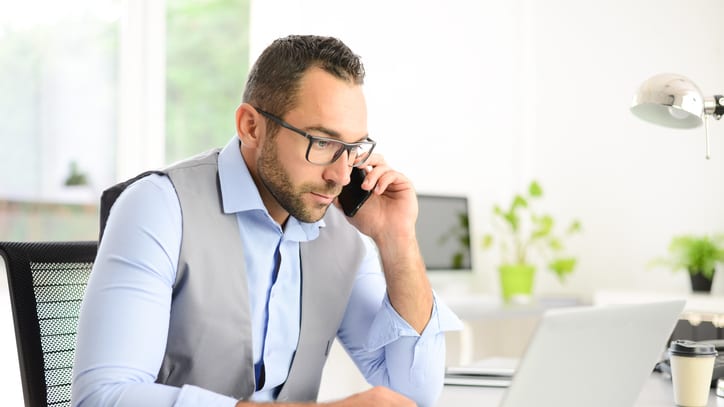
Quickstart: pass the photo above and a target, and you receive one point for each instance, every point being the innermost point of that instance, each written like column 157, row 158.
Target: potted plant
column 698, row 254
column 527, row 239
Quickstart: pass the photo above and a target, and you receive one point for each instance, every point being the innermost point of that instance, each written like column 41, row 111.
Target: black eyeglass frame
column 345, row 146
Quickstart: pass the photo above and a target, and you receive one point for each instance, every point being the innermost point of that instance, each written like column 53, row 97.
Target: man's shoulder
column 209, row 157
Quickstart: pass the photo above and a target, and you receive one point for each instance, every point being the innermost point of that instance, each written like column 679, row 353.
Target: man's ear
column 249, row 125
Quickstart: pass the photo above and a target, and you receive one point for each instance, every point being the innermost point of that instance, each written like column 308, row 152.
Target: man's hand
column 389, row 217
column 375, row 397
column 391, row 211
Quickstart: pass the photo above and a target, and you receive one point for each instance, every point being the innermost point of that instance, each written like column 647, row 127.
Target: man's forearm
column 374, row 397
column 407, row 284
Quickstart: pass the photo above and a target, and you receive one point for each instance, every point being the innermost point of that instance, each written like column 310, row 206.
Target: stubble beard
column 279, row 184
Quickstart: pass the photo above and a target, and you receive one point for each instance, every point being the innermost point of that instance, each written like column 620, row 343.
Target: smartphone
column 353, row 196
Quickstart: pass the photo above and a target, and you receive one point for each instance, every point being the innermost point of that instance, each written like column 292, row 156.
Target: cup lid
column 690, row 348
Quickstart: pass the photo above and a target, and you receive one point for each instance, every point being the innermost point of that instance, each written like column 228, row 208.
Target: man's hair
column 273, row 82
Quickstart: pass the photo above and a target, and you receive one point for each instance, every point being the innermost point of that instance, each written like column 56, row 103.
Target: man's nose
column 339, row 171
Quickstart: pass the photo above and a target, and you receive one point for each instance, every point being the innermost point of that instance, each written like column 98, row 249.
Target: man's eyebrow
column 332, row 133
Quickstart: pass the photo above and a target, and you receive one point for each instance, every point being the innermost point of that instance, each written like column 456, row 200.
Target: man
column 224, row 279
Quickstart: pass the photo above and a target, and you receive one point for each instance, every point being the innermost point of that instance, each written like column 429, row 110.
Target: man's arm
column 393, row 327
column 389, row 217
column 385, row 347
column 374, row 397
column 124, row 319
column 407, row 284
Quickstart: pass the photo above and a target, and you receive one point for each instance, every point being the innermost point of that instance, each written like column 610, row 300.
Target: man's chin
column 314, row 214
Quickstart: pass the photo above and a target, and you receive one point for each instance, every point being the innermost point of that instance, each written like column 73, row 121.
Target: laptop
column 591, row 356
column 489, row 372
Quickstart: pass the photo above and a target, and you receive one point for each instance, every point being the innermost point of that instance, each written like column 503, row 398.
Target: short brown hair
column 273, row 81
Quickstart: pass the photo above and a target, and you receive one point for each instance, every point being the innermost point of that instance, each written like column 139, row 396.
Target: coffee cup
column 692, row 365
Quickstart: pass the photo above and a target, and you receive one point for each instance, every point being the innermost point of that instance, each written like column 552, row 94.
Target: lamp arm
column 706, row 135
column 714, row 106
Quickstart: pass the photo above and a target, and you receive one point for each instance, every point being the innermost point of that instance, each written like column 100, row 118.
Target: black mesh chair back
column 47, row 281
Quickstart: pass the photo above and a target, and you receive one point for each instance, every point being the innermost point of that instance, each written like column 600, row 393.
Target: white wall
column 480, row 97
column 633, row 184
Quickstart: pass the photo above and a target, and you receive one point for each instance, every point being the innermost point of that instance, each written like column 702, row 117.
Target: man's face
column 326, row 107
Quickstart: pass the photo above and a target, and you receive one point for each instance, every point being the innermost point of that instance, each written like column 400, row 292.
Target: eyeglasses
column 325, row 151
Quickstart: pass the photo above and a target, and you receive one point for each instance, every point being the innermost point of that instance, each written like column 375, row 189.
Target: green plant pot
column 516, row 282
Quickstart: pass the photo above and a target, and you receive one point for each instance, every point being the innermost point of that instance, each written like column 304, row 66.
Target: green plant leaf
column 457, row 261
column 535, row 189
column 463, row 220
column 465, row 240
column 512, row 219
column 543, row 226
column 526, row 236
column 497, row 210
column 487, row 241
column 562, row 267
column 574, row 227
column 708, row 273
column 518, row 202
column 696, row 254
column 76, row 177
column 555, row 244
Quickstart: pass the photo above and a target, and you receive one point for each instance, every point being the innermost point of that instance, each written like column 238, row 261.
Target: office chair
column 47, row 281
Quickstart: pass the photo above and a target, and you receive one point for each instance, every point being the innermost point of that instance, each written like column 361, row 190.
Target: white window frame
column 142, row 88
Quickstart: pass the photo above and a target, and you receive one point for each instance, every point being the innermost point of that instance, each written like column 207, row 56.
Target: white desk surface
column 657, row 392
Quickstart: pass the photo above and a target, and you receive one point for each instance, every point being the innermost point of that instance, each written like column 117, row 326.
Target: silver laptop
column 582, row 356
column 592, row 356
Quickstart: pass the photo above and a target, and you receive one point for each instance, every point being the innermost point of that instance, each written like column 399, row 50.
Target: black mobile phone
column 353, row 196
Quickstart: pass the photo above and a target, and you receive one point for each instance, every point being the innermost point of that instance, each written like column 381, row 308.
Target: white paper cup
column 691, row 369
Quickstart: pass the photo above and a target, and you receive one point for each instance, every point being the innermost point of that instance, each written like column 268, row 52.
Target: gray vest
column 209, row 342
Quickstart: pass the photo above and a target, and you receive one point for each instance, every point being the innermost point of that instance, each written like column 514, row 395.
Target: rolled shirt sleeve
column 387, row 350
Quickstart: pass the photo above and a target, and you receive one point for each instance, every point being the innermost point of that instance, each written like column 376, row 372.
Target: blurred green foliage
column 698, row 254
column 523, row 234
column 207, row 53
column 460, row 235
column 207, row 59
column 26, row 221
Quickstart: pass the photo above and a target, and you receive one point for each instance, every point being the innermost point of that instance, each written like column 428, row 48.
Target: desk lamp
column 673, row 100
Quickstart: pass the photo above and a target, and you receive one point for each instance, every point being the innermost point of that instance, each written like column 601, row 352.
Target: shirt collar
column 239, row 193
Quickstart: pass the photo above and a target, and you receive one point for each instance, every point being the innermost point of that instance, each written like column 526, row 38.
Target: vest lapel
column 329, row 265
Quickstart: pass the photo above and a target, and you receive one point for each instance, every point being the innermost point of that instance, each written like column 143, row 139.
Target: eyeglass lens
column 325, row 151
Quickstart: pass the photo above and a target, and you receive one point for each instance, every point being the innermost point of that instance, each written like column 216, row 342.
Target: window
column 94, row 91
column 58, row 91
column 207, row 50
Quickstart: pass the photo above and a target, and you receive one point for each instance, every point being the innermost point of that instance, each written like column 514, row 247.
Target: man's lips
column 324, row 197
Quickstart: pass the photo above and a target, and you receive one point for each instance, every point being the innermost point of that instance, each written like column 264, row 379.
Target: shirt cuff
column 193, row 396
column 388, row 325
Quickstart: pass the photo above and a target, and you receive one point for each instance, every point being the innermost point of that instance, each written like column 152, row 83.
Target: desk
column 657, row 392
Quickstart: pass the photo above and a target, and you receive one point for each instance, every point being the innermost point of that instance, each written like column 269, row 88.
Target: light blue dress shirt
column 124, row 318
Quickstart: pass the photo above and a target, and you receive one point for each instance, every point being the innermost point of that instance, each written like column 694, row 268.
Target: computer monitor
column 443, row 233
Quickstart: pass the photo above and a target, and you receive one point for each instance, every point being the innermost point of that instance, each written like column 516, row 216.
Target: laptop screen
column 443, row 232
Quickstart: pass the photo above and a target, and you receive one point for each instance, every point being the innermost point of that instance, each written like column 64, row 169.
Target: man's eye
column 322, row 144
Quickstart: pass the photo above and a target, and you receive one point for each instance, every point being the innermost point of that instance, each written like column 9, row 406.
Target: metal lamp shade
column 669, row 100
